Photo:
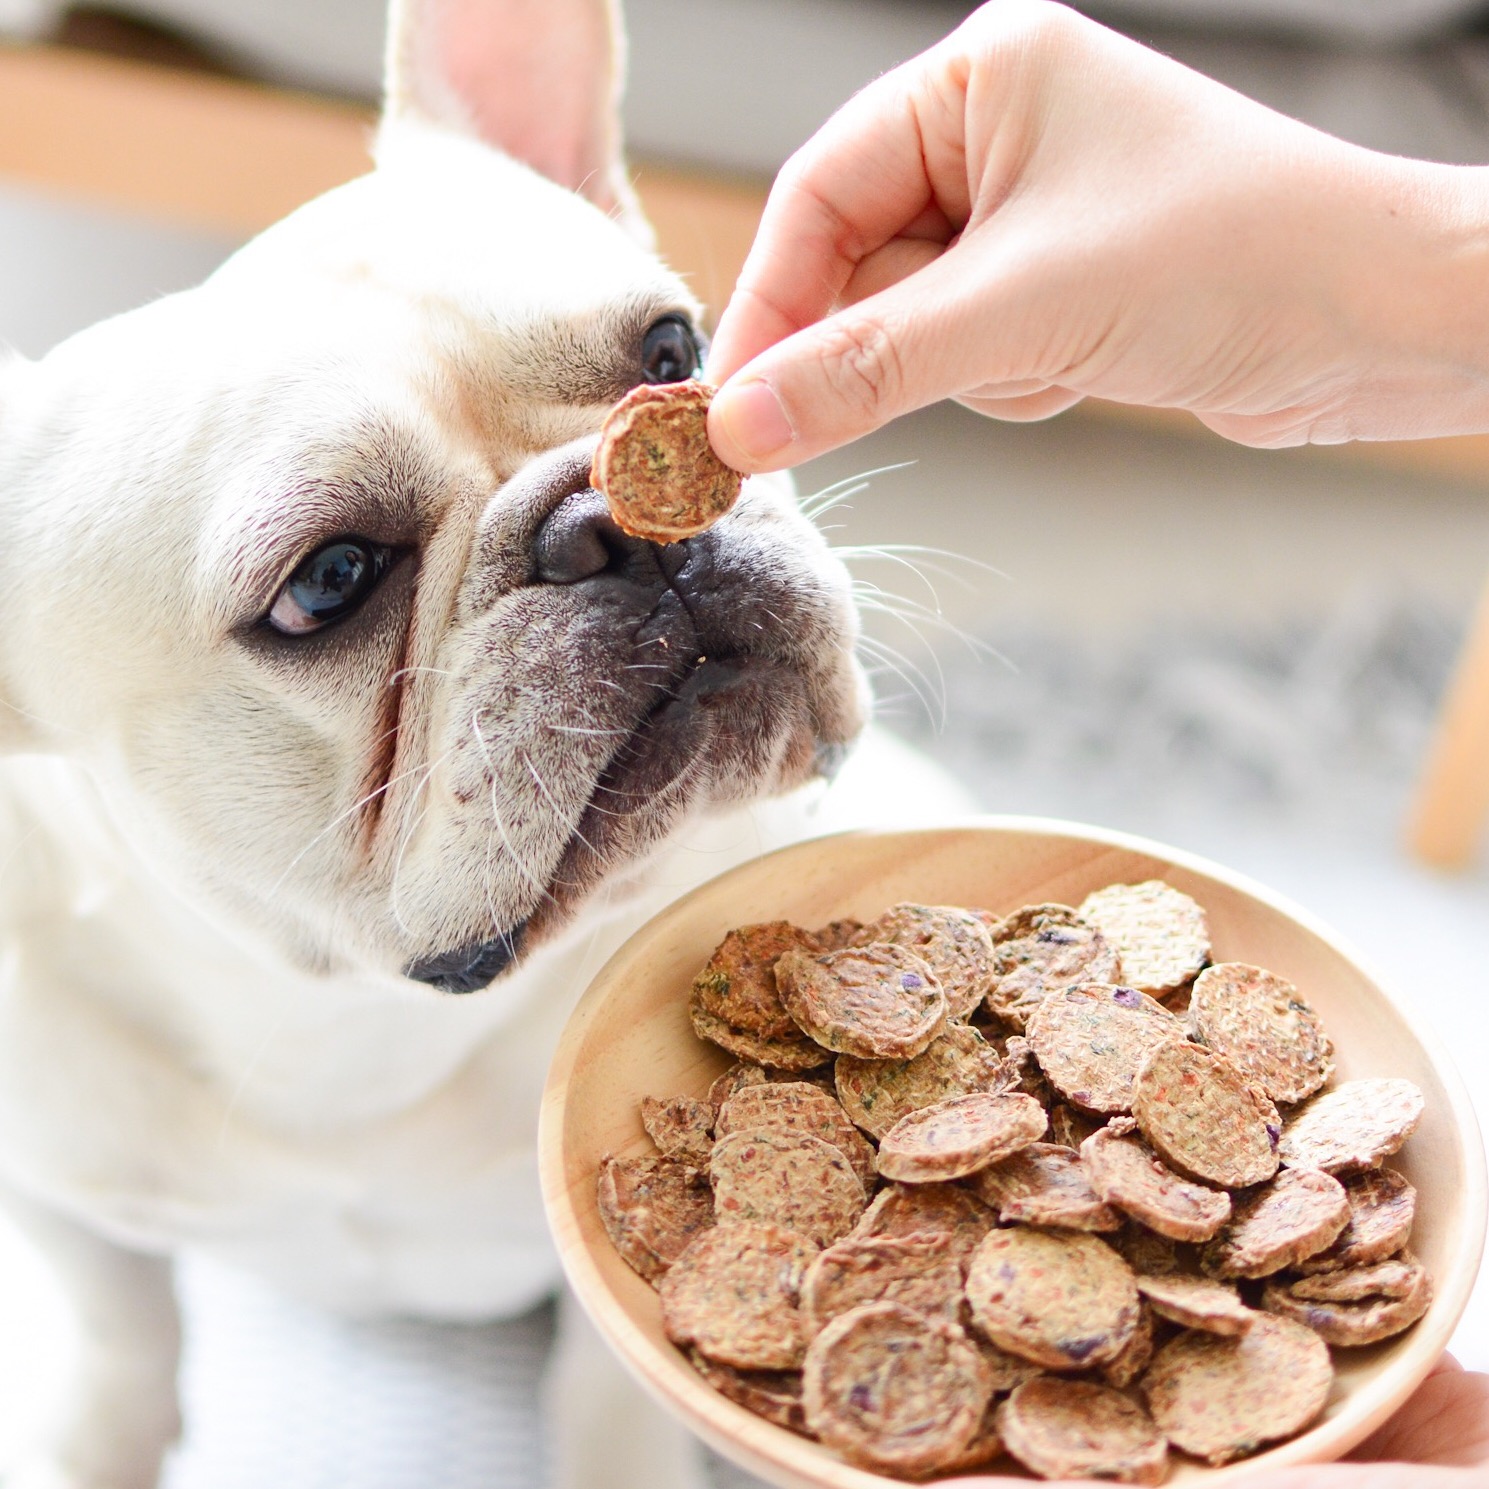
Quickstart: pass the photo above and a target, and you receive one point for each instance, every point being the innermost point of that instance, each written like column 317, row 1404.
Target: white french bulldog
column 330, row 691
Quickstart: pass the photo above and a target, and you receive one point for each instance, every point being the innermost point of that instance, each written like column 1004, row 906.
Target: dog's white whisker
column 518, row 861
column 416, row 820
column 932, row 697
column 815, row 503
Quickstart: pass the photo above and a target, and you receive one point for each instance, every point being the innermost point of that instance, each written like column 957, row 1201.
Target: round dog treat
column 1197, row 1303
column 1221, row 1398
column 652, row 1210
column 798, row 1182
column 877, row 1093
column 1158, row 932
column 892, row 1389
column 1091, row 1038
column 1396, row 1277
column 1022, row 1071
column 772, row 1394
column 959, row 1136
column 1298, row 1214
column 655, row 466
column 1008, row 1371
column 738, row 984
column 945, row 1213
column 1124, row 1173
column 1382, row 1206
column 795, row 1107
column 1348, row 1325
column 1354, row 1126
column 1203, row 1117
column 1044, row 1184
column 1136, row 1353
column 1145, row 1251
column 876, row 1002
column 1076, row 1429
column 1039, row 949
column 1060, row 1298
column 681, row 1127
column 916, row 1272
column 1259, row 1021
column 986, row 1445
column 955, row 944
column 793, row 1052
column 733, row 1294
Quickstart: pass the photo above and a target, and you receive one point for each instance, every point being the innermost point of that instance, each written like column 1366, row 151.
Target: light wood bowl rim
column 793, row 1462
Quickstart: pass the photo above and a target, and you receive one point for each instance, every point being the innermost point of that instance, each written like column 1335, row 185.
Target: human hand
column 1438, row 1440
column 1037, row 210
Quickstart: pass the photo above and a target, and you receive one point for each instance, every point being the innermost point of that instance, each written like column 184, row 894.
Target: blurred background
column 1108, row 616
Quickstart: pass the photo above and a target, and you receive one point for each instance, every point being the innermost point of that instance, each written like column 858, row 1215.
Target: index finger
column 862, row 180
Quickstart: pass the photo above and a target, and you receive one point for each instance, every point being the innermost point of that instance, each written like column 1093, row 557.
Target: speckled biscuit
column 798, row 1182
column 738, row 985
column 894, row 1390
column 1076, row 1429
column 793, row 1052
column 877, row 1093
column 960, row 1135
column 1123, row 1369
column 1145, row 1251
column 739, row 1075
column 1126, row 1174
column 681, row 1127
column 1260, row 1022
column 986, row 1445
column 1090, row 1040
column 1039, row 949
column 1197, row 1303
column 797, row 1107
column 652, row 1210
column 956, row 944
column 1158, row 932
column 1220, row 1398
column 876, row 1002
column 772, row 1394
column 1396, row 1277
column 1295, row 1216
column 837, row 935
column 1023, row 1072
column 1069, row 1127
column 1203, row 1117
column 733, row 1293
column 1044, row 1184
column 917, row 1272
column 1060, row 1298
column 1355, row 1126
column 1348, row 1325
column 655, row 466
column 1008, row 1371
column 946, row 1213
column 1382, row 1206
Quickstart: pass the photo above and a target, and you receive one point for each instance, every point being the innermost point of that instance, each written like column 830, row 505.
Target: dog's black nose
column 580, row 539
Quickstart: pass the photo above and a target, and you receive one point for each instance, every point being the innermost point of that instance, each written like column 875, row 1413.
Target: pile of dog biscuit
column 1050, row 1185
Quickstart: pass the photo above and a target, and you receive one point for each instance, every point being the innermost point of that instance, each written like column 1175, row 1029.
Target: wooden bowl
column 630, row 1037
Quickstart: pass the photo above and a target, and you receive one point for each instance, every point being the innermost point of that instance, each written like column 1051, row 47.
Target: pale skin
column 1036, row 211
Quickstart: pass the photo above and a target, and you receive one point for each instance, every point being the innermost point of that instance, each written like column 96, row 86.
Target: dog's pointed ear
column 538, row 79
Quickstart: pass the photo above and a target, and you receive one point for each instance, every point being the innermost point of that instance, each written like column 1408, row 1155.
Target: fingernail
column 752, row 420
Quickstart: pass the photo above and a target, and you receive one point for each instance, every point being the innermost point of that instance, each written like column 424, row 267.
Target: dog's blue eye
column 328, row 585
column 669, row 352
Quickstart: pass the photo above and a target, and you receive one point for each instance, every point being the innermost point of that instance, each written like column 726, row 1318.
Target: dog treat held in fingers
column 1297, row 1215
column 1355, row 1126
column 1072, row 1429
column 1197, row 1303
column 1090, row 1040
column 960, row 1135
column 1382, row 1207
column 876, row 1002
column 1203, row 1117
column 1062, row 1299
column 878, row 1093
column 1220, row 1398
column 1127, row 1175
column 792, row 1180
column 1158, row 932
column 653, row 1209
column 1352, row 1322
column 791, row 1107
column 954, row 943
column 655, row 466
column 892, row 1389
column 1044, row 1184
column 1039, row 949
column 733, row 1293
column 1260, row 1022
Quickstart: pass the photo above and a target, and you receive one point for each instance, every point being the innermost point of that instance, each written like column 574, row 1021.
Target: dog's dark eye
column 329, row 585
column 669, row 352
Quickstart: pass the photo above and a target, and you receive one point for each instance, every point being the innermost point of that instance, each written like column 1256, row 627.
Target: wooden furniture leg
column 1452, row 802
